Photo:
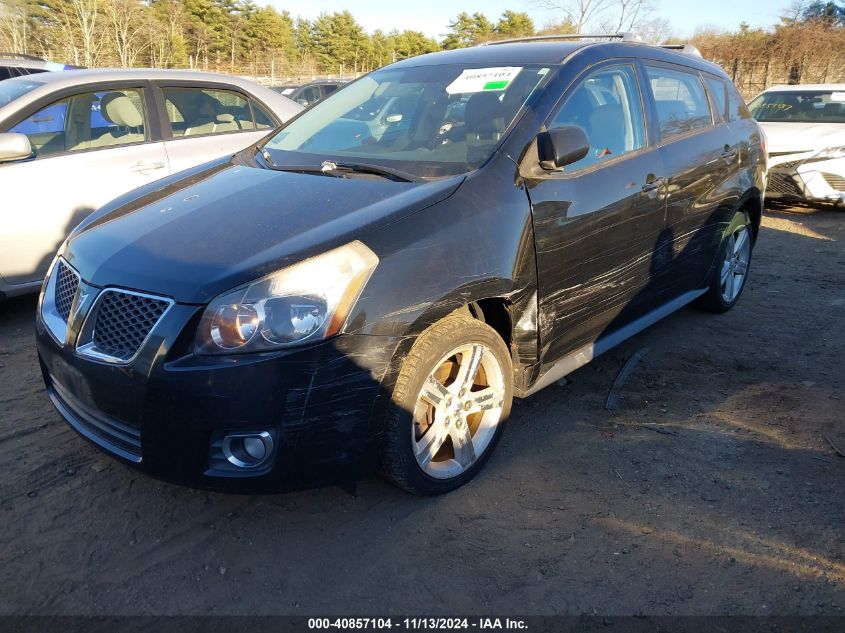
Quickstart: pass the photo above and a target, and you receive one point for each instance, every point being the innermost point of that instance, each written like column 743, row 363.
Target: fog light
column 248, row 450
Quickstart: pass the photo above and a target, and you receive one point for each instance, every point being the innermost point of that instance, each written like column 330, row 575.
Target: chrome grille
column 834, row 180
column 67, row 283
column 122, row 322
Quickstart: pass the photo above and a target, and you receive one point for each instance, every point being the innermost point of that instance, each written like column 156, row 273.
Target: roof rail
column 686, row 49
column 625, row 37
column 31, row 58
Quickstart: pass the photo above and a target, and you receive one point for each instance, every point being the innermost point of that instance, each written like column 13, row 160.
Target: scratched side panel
column 476, row 244
column 597, row 237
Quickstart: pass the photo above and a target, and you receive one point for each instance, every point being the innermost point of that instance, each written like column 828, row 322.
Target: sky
column 433, row 16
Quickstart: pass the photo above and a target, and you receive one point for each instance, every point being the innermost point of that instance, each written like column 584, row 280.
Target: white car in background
column 805, row 131
column 74, row 140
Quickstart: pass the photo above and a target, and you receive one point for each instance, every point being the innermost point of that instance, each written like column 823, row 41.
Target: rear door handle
column 143, row 167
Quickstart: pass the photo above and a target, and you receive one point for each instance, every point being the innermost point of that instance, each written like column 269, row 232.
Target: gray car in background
column 310, row 93
column 72, row 141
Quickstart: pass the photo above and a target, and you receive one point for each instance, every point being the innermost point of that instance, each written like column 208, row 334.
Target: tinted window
column 202, row 111
column 92, row 120
column 263, row 119
column 815, row 106
column 736, row 105
column 330, row 88
column 607, row 106
column 719, row 95
column 7, row 72
column 680, row 99
column 309, row 95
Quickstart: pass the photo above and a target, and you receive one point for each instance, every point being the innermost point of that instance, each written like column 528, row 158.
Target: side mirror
column 14, row 147
column 562, row 146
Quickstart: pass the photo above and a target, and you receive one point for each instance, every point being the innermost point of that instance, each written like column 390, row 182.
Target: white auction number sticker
column 483, row 80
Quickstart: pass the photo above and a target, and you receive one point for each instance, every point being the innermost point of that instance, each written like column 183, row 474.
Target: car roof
column 803, row 87
column 30, row 62
column 556, row 52
column 80, row 77
column 516, row 53
column 49, row 83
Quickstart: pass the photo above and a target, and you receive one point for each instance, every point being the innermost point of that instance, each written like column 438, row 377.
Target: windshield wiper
column 367, row 168
column 331, row 168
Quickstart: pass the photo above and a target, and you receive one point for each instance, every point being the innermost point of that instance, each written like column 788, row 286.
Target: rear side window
column 91, row 120
column 681, row 102
column 263, row 119
column 204, row 111
column 736, row 105
column 607, row 106
column 719, row 95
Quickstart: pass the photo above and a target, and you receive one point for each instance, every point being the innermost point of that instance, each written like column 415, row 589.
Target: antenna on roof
column 625, row 37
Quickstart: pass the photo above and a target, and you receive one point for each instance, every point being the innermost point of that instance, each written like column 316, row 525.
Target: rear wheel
column 453, row 391
column 729, row 275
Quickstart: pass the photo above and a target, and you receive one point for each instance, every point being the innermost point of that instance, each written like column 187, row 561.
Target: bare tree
column 626, row 15
column 655, row 30
column 13, row 26
column 792, row 13
column 579, row 12
column 126, row 19
column 79, row 22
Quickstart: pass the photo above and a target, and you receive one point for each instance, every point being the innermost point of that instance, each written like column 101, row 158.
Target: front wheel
column 453, row 392
column 730, row 274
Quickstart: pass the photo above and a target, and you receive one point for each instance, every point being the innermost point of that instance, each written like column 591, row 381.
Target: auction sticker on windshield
column 483, row 80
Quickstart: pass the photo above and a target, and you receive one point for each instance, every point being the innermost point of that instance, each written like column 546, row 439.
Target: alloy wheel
column 735, row 266
column 458, row 411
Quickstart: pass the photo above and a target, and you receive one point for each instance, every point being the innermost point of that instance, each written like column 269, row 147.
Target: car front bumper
column 165, row 413
column 799, row 177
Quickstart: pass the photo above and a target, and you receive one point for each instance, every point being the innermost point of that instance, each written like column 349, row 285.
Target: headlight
column 305, row 302
column 829, row 153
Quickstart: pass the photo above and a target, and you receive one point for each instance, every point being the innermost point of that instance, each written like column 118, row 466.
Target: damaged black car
column 370, row 286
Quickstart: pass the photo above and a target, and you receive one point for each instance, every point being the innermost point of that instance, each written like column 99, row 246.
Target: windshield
column 426, row 121
column 11, row 89
column 812, row 106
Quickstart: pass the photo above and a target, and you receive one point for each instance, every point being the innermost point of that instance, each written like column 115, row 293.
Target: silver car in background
column 72, row 141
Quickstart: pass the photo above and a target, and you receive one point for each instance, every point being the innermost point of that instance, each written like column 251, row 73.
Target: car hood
column 229, row 222
column 802, row 137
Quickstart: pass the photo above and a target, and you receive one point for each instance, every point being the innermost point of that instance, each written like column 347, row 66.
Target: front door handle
column 144, row 167
column 729, row 154
column 652, row 183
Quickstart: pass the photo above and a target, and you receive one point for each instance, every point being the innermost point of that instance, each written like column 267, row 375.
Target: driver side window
column 607, row 106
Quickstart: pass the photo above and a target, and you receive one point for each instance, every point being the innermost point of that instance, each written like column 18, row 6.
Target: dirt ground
column 712, row 490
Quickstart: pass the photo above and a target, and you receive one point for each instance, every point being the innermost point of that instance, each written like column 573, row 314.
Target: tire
column 434, row 415
column 719, row 297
